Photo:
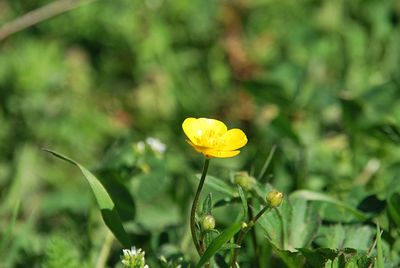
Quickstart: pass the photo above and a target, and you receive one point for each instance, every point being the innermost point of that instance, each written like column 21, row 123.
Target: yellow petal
column 233, row 139
column 212, row 125
column 191, row 127
column 201, row 131
column 200, row 149
column 220, row 154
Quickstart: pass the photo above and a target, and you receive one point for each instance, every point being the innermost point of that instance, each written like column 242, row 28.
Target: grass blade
column 267, row 162
column 379, row 259
column 218, row 242
column 104, row 201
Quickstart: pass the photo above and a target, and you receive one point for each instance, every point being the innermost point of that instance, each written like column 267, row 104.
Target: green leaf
column 218, row 185
column 275, row 225
column 218, row 242
column 304, row 224
column 121, row 196
column 7, row 234
column 266, row 163
column 229, row 246
column 293, row 225
column 104, row 201
column 314, row 196
column 393, row 205
column 291, row 259
column 207, row 205
column 334, row 258
column 350, row 236
column 379, row 258
column 227, row 201
column 244, row 202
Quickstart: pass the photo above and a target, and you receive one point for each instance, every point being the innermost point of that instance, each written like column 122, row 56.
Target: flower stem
column 194, row 208
column 244, row 231
column 253, row 232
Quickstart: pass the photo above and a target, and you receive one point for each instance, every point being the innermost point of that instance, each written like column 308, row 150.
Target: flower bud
column 274, row 199
column 245, row 181
column 208, row 222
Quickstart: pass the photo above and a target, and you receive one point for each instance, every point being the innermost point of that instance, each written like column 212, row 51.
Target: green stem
column 194, row 208
column 244, row 231
column 253, row 232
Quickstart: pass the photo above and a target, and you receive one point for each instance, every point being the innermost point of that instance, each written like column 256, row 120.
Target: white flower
column 156, row 145
column 133, row 258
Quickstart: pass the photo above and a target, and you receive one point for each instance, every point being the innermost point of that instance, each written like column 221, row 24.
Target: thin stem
column 194, row 208
column 40, row 14
column 283, row 228
column 243, row 233
column 253, row 232
column 261, row 213
column 105, row 250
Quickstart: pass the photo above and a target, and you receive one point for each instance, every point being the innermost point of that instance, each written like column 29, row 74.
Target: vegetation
column 314, row 85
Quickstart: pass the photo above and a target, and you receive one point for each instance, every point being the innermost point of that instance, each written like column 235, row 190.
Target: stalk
column 196, row 242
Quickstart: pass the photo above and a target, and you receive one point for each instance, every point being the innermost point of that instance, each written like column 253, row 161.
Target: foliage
column 317, row 81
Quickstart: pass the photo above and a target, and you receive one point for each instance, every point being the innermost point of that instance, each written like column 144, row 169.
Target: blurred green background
column 319, row 79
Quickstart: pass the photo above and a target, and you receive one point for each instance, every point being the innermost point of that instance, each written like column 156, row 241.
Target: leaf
column 393, row 206
column 218, row 185
column 341, row 236
column 304, row 224
column 379, row 258
column 291, row 259
column 275, row 225
column 266, row 164
column 207, row 205
column 218, row 242
column 315, row 196
column 244, row 202
column 229, row 246
column 226, row 201
column 334, row 258
column 293, row 225
column 104, row 201
column 121, row 196
column 7, row 234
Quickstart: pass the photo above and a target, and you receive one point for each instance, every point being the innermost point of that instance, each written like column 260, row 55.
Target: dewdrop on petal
column 133, row 258
column 274, row 199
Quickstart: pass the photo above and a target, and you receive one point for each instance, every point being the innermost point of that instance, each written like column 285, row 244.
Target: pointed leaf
column 218, row 242
column 379, row 258
column 207, row 205
column 244, row 202
column 104, row 201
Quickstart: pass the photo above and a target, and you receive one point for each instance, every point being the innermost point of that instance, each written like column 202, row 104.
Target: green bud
column 245, row 181
column 208, row 222
column 274, row 199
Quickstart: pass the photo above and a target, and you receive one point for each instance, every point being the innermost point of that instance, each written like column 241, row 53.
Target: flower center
column 208, row 138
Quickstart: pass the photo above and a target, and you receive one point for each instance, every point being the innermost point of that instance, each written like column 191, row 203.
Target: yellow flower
column 212, row 138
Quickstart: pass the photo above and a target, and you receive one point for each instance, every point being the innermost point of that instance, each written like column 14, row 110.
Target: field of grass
column 314, row 85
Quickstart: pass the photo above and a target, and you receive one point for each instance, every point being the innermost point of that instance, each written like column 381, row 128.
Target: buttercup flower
column 212, row 138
